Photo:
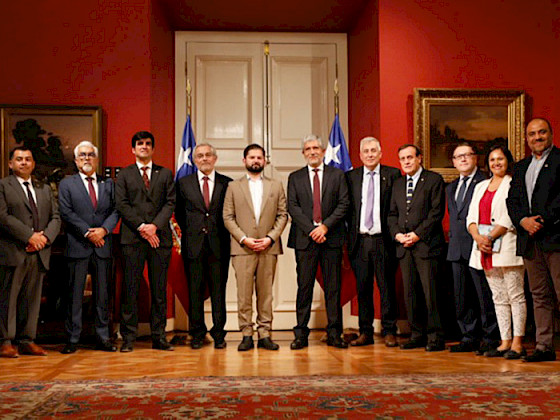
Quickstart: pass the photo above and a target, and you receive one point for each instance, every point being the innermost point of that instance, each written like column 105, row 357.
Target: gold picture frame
column 481, row 117
column 51, row 132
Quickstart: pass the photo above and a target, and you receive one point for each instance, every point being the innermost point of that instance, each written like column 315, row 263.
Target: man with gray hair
column 317, row 201
column 87, row 205
column 205, row 243
column 370, row 245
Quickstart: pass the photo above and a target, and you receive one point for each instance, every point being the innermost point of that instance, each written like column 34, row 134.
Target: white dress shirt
column 21, row 181
column 256, row 189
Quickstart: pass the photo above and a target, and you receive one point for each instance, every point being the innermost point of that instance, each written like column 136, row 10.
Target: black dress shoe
column 485, row 347
column 106, row 346
column 162, row 344
column 299, row 343
column 196, row 343
column 69, row 348
column 267, row 343
column 246, row 343
column 462, row 347
column 337, row 342
column 415, row 343
column 220, row 344
column 127, row 347
column 515, row 355
column 438, row 345
column 541, row 356
column 495, row 353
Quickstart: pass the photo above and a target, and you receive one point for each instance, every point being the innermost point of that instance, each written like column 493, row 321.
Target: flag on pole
column 337, row 155
column 184, row 160
column 185, row 167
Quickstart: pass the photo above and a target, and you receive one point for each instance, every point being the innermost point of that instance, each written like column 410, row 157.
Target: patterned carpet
column 474, row 396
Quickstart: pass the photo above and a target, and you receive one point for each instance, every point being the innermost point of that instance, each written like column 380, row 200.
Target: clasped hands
column 407, row 239
column 319, row 234
column 532, row 224
column 37, row 242
column 257, row 245
column 96, row 236
column 148, row 231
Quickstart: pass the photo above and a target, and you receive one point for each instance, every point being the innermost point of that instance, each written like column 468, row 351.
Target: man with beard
column 255, row 214
column 87, row 205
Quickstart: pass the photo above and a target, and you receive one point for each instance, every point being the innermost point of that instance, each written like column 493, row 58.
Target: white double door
column 241, row 95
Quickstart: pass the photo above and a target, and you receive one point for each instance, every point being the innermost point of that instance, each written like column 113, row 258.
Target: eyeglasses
column 463, row 156
column 87, row 155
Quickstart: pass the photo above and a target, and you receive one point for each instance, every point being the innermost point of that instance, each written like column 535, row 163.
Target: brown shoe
column 32, row 349
column 391, row 341
column 9, row 351
column 362, row 340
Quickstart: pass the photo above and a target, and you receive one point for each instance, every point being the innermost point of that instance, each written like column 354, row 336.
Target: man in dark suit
column 145, row 199
column 415, row 216
column 370, row 246
column 87, row 205
column 205, row 243
column 474, row 307
column 534, row 208
column 29, row 223
column 318, row 202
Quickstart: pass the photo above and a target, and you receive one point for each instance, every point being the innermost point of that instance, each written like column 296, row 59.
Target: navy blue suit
column 76, row 209
column 473, row 311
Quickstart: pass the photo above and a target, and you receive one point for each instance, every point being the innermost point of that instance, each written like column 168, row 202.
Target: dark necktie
column 33, row 205
column 462, row 190
column 369, row 203
column 206, row 192
column 91, row 190
column 317, row 215
column 409, row 191
column 145, row 177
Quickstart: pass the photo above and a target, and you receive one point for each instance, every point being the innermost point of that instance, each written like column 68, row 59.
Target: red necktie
column 92, row 192
column 206, row 192
column 145, row 177
column 317, row 218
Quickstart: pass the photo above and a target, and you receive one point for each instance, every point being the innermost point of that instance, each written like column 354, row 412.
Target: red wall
column 363, row 79
column 96, row 53
column 475, row 44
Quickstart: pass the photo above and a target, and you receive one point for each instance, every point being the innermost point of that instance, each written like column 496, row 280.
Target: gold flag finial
column 336, row 96
column 266, row 48
column 188, row 97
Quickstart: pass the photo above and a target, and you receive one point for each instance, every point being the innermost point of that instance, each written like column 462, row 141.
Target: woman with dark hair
column 494, row 249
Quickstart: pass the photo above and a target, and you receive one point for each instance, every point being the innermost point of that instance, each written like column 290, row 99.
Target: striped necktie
column 409, row 191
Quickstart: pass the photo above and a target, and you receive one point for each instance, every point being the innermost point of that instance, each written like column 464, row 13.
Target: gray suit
column 21, row 273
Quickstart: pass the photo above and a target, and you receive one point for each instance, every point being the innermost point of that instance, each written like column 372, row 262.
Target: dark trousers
column 77, row 274
column 544, row 280
column 420, row 290
column 207, row 269
column 20, row 299
column 307, row 261
column 135, row 256
column 474, row 307
column 371, row 258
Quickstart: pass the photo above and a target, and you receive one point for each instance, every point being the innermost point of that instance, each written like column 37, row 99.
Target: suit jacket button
column 206, row 214
column 204, row 230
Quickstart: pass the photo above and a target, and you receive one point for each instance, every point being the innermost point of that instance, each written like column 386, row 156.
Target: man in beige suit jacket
column 255, row 214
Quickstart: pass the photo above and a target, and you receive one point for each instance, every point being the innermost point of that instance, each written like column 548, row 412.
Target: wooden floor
column 317, row 359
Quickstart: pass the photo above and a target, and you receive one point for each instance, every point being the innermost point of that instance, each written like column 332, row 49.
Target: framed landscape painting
column 51, row 132
column 482, row 118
